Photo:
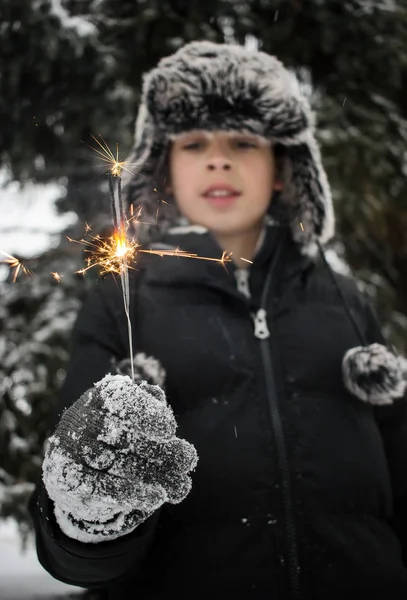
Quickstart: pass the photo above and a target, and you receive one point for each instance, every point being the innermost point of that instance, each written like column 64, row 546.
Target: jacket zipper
column 261, row 332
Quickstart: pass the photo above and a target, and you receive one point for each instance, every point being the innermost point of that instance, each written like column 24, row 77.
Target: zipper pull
column 242, row 280
column 261, row 331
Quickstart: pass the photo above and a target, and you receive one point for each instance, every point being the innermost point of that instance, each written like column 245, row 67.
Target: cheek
column 182, row 175
column 259, row 181
column 184, row 187
column 262, row 173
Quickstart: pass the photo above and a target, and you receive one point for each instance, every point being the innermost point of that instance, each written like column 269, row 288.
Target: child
column 287, row 478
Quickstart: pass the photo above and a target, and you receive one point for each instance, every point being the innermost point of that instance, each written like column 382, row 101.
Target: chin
column 230, row 229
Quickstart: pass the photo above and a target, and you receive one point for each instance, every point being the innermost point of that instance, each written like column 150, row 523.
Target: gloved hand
column 114, row 459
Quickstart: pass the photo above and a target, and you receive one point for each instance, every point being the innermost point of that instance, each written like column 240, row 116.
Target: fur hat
column 226, row 87
column 211, row 86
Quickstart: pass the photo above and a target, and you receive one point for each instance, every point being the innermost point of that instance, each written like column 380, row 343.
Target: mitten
column 114, row 459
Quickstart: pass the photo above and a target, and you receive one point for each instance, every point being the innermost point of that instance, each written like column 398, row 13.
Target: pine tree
column 36, row 318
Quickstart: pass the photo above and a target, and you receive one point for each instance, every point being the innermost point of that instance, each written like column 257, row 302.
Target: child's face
column 245, row 162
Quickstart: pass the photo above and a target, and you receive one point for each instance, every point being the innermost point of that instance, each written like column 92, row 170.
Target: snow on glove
column 114, row 459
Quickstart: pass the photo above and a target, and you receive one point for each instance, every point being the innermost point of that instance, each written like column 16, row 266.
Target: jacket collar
column 199, row 241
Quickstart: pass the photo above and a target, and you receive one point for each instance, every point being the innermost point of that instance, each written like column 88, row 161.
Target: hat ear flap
column 373, row 374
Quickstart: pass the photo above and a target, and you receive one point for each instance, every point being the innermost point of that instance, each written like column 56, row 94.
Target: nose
column 218, row 156
column 220, row 162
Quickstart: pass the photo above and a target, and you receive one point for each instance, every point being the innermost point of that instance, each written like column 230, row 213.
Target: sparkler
column 116, row 251
column 114, row 254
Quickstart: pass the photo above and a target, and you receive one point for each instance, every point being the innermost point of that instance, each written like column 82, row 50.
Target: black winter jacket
column 301, row 489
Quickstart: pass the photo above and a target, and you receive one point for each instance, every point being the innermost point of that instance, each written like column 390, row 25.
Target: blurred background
column 72, row 68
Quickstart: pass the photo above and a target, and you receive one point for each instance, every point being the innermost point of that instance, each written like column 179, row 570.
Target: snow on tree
column 36, row 317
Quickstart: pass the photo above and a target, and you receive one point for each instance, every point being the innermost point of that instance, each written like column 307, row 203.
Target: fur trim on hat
column 209, row 86
column 374, row 374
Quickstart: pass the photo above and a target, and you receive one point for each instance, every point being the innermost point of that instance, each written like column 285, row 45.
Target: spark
column 16, row 264
column 87, row 228
column 246, row 260
column 302, row 227
column 56, row 276
column 226, row 256
column 135, row 217
column 106, row 155
column 109, row 254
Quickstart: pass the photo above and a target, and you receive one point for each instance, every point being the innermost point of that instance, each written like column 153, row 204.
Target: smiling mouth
column 222, row 193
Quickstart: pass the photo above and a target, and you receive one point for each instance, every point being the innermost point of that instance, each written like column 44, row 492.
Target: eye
column 192, row 146
column 245, row 144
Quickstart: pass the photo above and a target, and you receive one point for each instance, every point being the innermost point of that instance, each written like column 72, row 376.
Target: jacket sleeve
column 392, row 422
column 96, row 339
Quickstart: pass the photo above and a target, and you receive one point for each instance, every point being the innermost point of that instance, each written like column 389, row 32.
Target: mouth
column 221, row 195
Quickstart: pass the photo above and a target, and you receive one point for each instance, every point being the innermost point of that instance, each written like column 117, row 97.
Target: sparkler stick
column 111, row 190
column 119, row 219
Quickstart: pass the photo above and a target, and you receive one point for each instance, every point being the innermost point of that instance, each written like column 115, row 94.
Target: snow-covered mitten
column 114, row 459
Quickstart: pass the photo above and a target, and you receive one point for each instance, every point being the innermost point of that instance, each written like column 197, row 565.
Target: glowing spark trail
column 15, row 264
column 107, row 253
column 56, row 276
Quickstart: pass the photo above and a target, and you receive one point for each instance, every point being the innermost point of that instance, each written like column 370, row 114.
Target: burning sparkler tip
column 111, row 255
column 116, row 165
